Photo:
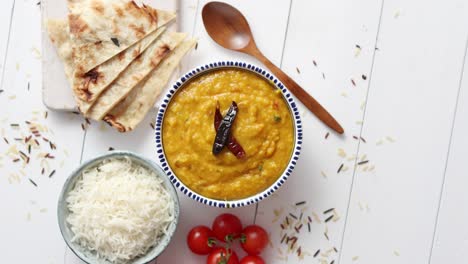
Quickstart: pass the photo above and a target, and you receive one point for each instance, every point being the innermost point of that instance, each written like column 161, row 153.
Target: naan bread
column 89, row 86
column 100, row 29
column 58, row 34
column 128, row 113
column 135, row 73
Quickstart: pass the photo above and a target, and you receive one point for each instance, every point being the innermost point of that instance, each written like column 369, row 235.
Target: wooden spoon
column 229, row 28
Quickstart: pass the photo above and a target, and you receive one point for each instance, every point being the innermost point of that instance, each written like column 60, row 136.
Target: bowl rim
column 61, row 205
column 288, row 98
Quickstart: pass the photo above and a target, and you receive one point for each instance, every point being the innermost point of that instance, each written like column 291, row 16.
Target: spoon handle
column 301, row 94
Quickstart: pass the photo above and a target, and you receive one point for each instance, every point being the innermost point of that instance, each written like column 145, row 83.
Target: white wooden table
column 393, row 72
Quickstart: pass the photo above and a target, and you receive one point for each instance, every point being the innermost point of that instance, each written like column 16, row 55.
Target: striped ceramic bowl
column 159, row 137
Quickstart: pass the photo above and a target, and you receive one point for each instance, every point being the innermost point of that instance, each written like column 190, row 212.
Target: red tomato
column 254, row 239
column 200, row 240
column 252, row 260
column 226, row 224
column 221, row 256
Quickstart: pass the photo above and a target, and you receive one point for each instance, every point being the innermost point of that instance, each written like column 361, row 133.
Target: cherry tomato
column 252, row 260
column 254, row 239
column 226, row 224
column 200, row 240
column 221, row 256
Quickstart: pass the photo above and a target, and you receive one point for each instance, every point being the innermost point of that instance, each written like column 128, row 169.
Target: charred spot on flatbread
column 90, row 77
column 136, row 52
column 151, row 12
column 121, row 56
column 162, row 52
column 76, row 24
column 110, row 119
column 98, row 6
column 118, row 10
column 138, row 30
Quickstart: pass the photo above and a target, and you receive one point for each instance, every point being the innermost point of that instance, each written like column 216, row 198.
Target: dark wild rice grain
column 316, row 253
column 52, row 174
column 33, row 183
column 300, row 203
column 363, row 162
column 329, row 218
column 328, row 210
column 293, row 216
column 298, row 228
column 340, row 168
column 282, row 239
column 327, row 134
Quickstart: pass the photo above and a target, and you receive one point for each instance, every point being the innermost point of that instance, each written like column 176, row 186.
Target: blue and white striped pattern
column 219, row 203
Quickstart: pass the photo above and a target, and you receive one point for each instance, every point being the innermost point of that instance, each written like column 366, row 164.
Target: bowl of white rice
column 118, row 208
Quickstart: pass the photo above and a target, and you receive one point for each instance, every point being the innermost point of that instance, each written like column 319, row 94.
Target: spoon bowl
column 222, row 19
column 228, row 27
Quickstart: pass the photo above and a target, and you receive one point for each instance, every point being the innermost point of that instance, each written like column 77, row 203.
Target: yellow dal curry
column 263, row 127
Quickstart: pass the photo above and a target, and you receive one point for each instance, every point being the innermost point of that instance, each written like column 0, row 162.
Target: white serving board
column 56, row 91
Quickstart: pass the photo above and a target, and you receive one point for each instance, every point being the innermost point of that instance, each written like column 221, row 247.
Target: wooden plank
column 407, row 125
column 6, row 13
column 321, row 55
column 450, row 241
column 31, row 221
column 100, row 137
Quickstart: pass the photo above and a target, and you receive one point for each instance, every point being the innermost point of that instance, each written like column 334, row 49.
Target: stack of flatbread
column 118, row 57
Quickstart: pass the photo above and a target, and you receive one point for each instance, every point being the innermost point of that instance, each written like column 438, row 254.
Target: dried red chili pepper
column 233, row 145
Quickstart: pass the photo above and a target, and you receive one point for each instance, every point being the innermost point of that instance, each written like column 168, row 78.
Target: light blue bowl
column 63, row 212
column 288, row 98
